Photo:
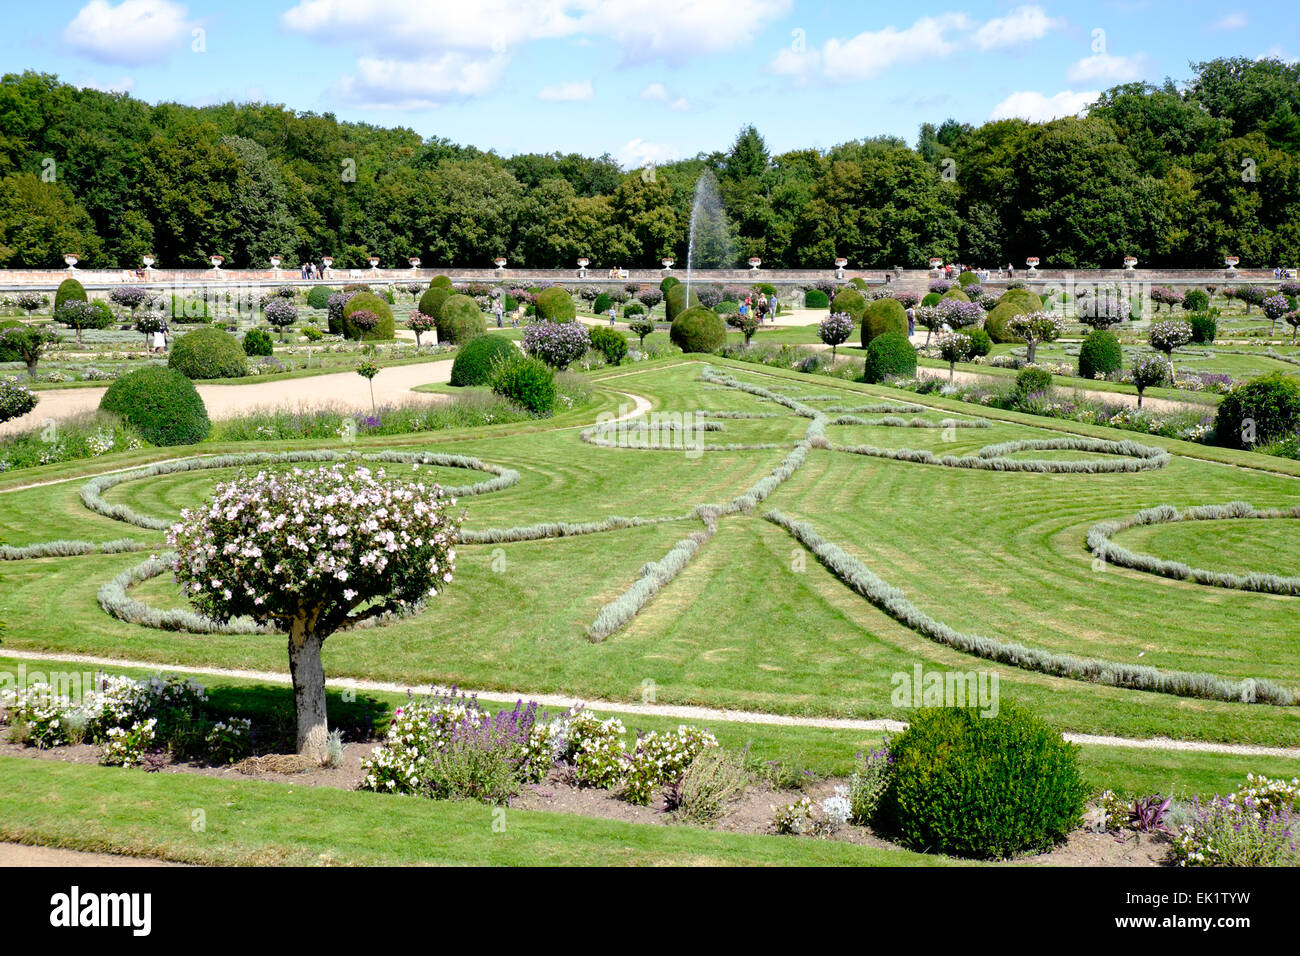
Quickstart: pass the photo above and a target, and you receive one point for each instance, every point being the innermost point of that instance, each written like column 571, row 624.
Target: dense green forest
column 1178, row 175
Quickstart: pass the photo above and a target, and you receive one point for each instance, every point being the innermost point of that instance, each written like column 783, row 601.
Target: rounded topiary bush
column 968, row 278
column 439, row 282
column 208, row 353
column 1032, row 381
column 526, row 381
column 476, row 358
column 698, row 330
column 973, row 785
column 668, row 282
column 955, row 293
column 257, row 342
column 1204, row 327
column 1100, row 354
column 980, row 343
column 69, row 289
column 319, row 297
column 7, row 352
column 1258, row 412
column 609, row 342
column 889, row 355
column 385, row 328
column 161, row 403
column 555, row 305
column 460, row 320
column 881, row 316
column 1195, row 300
column 931, row 299
column 852, row 303
column 601, row 305
column 432, row 299
column 815, row 299
column 675, row 301
column 1023, row 298
column 995, row 323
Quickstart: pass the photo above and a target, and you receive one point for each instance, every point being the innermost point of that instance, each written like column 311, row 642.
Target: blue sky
column 644, row 80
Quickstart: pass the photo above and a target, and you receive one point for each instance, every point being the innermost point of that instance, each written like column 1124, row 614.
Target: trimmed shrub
column 15, row 400
column 7, row 352
column 968, row 278
column 931, row 299
column 698, row 330
column 981, row 786
column 1258, row 412
column 526, row 381
column 1194, row 300
column 955, row 293
column 851, row 302
column 460, row 320
column 384, row 328
column 439, row 282
column 633, row 308
column 1204, row 327
column 161, row 403
column 995, row 323
column 1100, row 354
column 980, row 343
column 675, row 301
column 1031, row 381
column 555, row 305
column 431, row 301
column 69, row 290
column 881, row 316
column 601, row 305
column 610, row 343
column 1021, row 297
column 475, row 359
column 257, row 342
column 889, row 354
column 815, row 299
column 208, row 353
column 319, row 297
column 667, row 283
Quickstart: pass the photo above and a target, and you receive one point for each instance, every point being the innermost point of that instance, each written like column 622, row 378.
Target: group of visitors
column 956, row 269
column 761, row 307
column 309, row 270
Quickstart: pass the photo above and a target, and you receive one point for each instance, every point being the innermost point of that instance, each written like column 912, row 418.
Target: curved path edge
column 677, row 711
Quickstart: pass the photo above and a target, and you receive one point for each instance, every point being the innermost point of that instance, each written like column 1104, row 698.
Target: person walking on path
column 612, row 313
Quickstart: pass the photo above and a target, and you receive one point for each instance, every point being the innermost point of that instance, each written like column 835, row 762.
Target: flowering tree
column 282, row 313
column 558, row 344
column 642, row 326
column 1249, row 294
column 313, row 552
column 131, row 297
column 907, row 300
column 30, row 342
column 834, row 329
column 954, row 347
column 77, row 314
column 1275, row 306
column 1149, row 371
column 931, row 319
column 1169, row 335
column 1163, row 294
column 746, row 324
column 1293, row 320
column 368, row 368
column 1103, row 310
column 650, row 297
column 1036, row 327
column 419, row 323
column 959, row 314
column 30, row 301
column 149, row 323
column 15, row 400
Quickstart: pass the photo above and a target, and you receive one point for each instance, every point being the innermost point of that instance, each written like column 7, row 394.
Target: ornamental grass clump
column 312, row 552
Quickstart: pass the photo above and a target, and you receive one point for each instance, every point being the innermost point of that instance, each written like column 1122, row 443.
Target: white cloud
column 1232, row 21
column 420, row 84
column 680, row 105
column 674, row 30
column 578, row 91
column 1276, row 52
column 1021, row 25
column 1106, row 69
column 1039, row 108
column 122, row 85
column 133, row 33
column 871, row 52
column 655, row 91
column 638, row 152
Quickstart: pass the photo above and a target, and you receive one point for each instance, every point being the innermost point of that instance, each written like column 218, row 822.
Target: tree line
column 1177, row 175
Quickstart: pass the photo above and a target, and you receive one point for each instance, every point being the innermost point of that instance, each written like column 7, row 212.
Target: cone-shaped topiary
column 208, row 353
column 161, row 403
column 476, row 358
column 889, row 354
column 460, row 320
column 675, row 301
column 881, row 316
column 385, row 328
column 1100, row 354
column 69, row 289
column 698, row 330
column 555, row 305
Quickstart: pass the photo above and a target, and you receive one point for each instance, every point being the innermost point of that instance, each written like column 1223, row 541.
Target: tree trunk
column 1033, row 352
column 308, row 688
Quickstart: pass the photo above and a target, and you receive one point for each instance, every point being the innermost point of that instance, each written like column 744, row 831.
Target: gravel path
column 673, row 711
column 343, row 389
column 19, row 854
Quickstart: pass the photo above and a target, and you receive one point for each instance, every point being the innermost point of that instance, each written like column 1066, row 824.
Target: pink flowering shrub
column 312, row 552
